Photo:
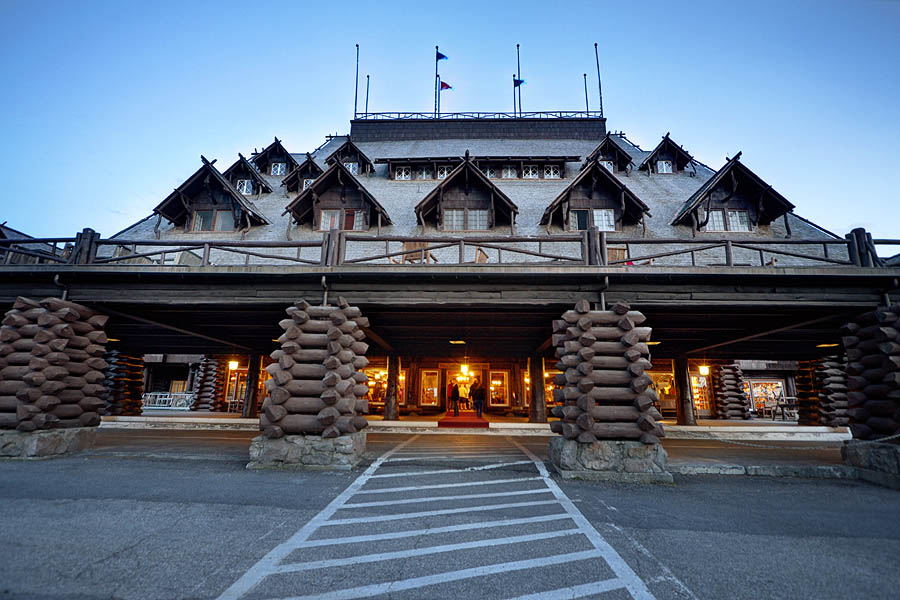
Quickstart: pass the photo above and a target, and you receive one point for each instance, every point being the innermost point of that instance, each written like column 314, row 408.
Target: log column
column 606, row 394
column 831, row 378
column 391, row 404
column 809, row 402
column 51, row 366
column 317, row 386
column 731, row 401
column 537, row 411
column 684, row 408
column 872, row 344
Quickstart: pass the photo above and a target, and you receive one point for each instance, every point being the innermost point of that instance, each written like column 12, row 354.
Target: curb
column 799, row 471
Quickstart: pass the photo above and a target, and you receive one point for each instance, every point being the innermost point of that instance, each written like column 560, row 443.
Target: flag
column 440, row 55
column 518, row 82
column 446, row 86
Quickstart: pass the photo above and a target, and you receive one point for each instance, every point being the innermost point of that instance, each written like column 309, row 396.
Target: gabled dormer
column 466, row 200
column 667, row 158
column 611, row 156
column 596, row 198
column 354, row 159
column 337, row 200
column 245, row 178
column 207, row 201
column 734, row 199
column 275, row 160
column 302, row 177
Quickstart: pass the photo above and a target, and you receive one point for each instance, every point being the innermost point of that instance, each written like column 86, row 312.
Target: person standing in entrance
column 454, row 400
column 477, row 394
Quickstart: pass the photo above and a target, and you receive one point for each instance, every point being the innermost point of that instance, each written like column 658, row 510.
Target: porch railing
column 168, row 401
column 456, row 116
column 346, row 248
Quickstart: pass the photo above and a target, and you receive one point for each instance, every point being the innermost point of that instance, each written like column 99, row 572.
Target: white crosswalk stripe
column 495, row 518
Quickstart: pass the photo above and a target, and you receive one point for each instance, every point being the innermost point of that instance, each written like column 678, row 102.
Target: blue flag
column 518, row 82
column 440, row 55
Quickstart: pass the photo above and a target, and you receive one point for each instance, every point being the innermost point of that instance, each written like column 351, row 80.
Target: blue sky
column 106, row 106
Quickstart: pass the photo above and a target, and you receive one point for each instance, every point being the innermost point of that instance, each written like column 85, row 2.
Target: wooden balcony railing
column 347, row 248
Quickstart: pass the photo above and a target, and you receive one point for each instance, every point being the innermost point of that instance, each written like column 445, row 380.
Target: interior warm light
column 118, row 340
column 464, row 369
column 403, row 378
column 653, row 343
column 817, row 345
column 371, row 384
column 457, row 341
column 546, row 374
column 704, row 370
column 527, row 379
column 274, row 339
column 232, row 365
column 495, row 382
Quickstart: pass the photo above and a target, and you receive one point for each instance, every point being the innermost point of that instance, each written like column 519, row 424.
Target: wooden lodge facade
column 462, row 240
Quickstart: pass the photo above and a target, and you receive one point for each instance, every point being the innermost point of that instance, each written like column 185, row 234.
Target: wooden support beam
column 538, row 410
column 249, row 409
column 765, row 333
column 117, row 313
column 391, row 404
column 378, row 340
column 684, row 406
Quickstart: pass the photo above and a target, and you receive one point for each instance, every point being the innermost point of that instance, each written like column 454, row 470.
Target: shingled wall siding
column 547, row 129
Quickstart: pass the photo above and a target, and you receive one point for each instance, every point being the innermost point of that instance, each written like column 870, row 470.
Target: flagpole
column 356, row 86
column 587, row 107
column 519, row 70
column 439, row 97
column 437, row 84
column 367, row 94
column 599, row 84
column 514, row 94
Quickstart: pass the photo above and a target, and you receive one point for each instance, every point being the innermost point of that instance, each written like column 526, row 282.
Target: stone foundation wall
column 307, row 452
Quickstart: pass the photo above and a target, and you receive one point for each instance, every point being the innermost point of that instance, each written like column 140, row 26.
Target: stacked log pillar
column 831, row 380
column 809, row 401
column 51, row 365
column 872, row 344
column 728, row 386
column 204, row 385
column 317, row 386
column 606, row 395
column 218, row 377
column 125, row 384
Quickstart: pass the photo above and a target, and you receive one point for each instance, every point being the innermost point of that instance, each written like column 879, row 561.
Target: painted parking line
column 364, row 504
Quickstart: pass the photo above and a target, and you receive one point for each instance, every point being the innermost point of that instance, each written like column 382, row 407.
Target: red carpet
column 466, row 418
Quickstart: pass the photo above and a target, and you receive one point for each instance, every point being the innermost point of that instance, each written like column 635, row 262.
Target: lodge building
column 462, row 237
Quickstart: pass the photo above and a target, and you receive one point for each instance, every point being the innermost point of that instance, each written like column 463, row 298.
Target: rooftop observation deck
column 547, row 125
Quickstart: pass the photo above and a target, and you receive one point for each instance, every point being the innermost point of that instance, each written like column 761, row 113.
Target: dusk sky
column 107, row 106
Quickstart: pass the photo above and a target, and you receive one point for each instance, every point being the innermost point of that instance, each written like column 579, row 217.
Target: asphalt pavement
column 151, row 514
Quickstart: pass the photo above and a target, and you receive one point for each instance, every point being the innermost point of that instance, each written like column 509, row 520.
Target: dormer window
column 346, row 219
column 551, row 172
column 466, row 219
column 278, row 168
column 728, row 220
column 307, row 183
column 403, row 173
column 443, row 171
column 353, row 167
column 245, row 186
column 664, row 166
column 603, row 219
column 424, row 173
column 509, row 172
column 212, row 220
column 608, row 165
column 530, row 172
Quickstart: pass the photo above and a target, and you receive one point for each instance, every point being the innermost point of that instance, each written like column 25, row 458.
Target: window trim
column 358, row 212
column 726, row 222
column 283, row 168
column 447, row 170
column 216, row 216
column 405, row 170
column 503, row 170
column 245, row 180
column 590, row 216
column 671, row 164
column 526, row 172
column 548, row 171
column 466, row 219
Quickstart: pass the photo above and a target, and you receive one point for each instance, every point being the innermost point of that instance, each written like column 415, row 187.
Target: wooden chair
column 415, row 257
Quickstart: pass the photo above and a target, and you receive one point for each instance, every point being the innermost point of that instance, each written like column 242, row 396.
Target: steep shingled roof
column 339, row 174
column 682, row 158
column 261, row 159
column 250, row 169
column 734, row 168
column 595, row 168
column 175, row 209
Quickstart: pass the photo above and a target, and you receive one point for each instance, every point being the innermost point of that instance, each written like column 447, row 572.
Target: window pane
column 359, row 220
column 716, row 221
column 738, row 220
column 478, row 219
column 352, row 167
column 245, row 186
column 604, row 219
column 307, row 183
column 403, row 173
column 278, row 168
column 551, row 171
column 454, row 219
column 329, row 219
column 608, row 165
column 497, row 385
column 443, row 172
column 530, row 172
column 224, row 220
column 424, row 173
column 664, row 166
column 203, row 220
column 509, row 172
column 578, row 220
column 489, row 172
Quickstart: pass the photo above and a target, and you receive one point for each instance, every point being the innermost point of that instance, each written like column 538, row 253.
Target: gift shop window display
column 701, row 388
column 378, row 378
column 764, row 394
